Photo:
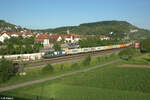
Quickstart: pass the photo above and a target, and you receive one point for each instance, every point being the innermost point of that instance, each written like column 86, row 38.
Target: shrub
column 145, row 45
column 87, row 60
column 128, row 53
column 48, row 69
column 6, row 70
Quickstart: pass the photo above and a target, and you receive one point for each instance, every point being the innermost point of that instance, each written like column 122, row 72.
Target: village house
column 42, row 38
column 4, row 36
column 102, row 37
column 55, row 37
column 48, row 39
column 8, row 35
column 71, row 38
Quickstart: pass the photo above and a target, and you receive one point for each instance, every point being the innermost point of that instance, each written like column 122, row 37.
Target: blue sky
column 41, row 14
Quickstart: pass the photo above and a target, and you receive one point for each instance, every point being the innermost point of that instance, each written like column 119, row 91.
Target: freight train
column 37, row 56
column 83, row 50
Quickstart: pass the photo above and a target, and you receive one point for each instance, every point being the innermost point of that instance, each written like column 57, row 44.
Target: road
column 55, row 77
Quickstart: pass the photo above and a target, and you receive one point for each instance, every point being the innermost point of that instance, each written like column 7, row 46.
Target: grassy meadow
column 112, row 82
column 34, row 74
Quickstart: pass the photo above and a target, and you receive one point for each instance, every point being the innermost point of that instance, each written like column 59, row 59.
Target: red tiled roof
column 17, row 33
column 41, row 37
column 38, row 40
column 54, row 36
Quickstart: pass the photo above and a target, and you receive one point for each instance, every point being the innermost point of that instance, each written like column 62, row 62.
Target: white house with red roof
column 8, row 35
column 4, row 36
column 55, row 37
column 42, row 38
column 71, row 38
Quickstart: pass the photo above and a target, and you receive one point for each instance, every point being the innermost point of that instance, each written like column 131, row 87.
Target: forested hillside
column 103, row 28
column 8, row 27
column 100, row 28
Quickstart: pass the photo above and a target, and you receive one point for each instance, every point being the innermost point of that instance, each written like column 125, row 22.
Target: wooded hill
column 103, row 28
column 95, row 28
column 8, row 27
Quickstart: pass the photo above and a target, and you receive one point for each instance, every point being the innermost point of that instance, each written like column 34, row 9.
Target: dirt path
column 54, row 77
column 136, row 66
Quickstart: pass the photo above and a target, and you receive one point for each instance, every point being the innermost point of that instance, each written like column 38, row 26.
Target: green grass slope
column 112, row 82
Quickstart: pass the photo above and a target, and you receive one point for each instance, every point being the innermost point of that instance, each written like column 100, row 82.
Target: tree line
column 19, row 45
column 95, row 41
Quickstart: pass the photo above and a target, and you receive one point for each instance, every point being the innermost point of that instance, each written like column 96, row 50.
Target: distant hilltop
column 8, row 27
column 103, row 28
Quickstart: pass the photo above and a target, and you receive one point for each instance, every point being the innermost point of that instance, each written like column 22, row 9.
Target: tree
column 28, row 48
column 48, row 69
column 145, row 45
column 6, row 70
column 17, row 45
column 57, row 47
column 36, row 47
column 1, row 43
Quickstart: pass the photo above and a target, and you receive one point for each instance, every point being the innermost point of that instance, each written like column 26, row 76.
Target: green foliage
column 87, row 60
column 128, row 53
column 140, row 35
column 95, row 41
column 111, row 82
column 145, row 45
column 103, row 27
column 47, row 69
column 6, row 70
column 19, row 45
column 8, row 27
column 57, row 47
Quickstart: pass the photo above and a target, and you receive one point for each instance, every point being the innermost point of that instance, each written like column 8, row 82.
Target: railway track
column 69, row 58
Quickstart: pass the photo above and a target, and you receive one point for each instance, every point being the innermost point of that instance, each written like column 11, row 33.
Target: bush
column 87, row 60
column 145, row 45
column 48, row 69
column 128, row 53
column 57, row 47
column 6, row 70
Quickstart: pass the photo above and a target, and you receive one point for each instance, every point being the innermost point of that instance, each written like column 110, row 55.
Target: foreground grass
column 35, row 74
column 108, row 83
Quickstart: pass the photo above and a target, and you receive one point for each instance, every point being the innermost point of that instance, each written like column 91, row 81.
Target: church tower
column 68, row 32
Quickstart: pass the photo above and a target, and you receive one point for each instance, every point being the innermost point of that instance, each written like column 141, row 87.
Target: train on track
column 37, row 56
column 83, row 50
